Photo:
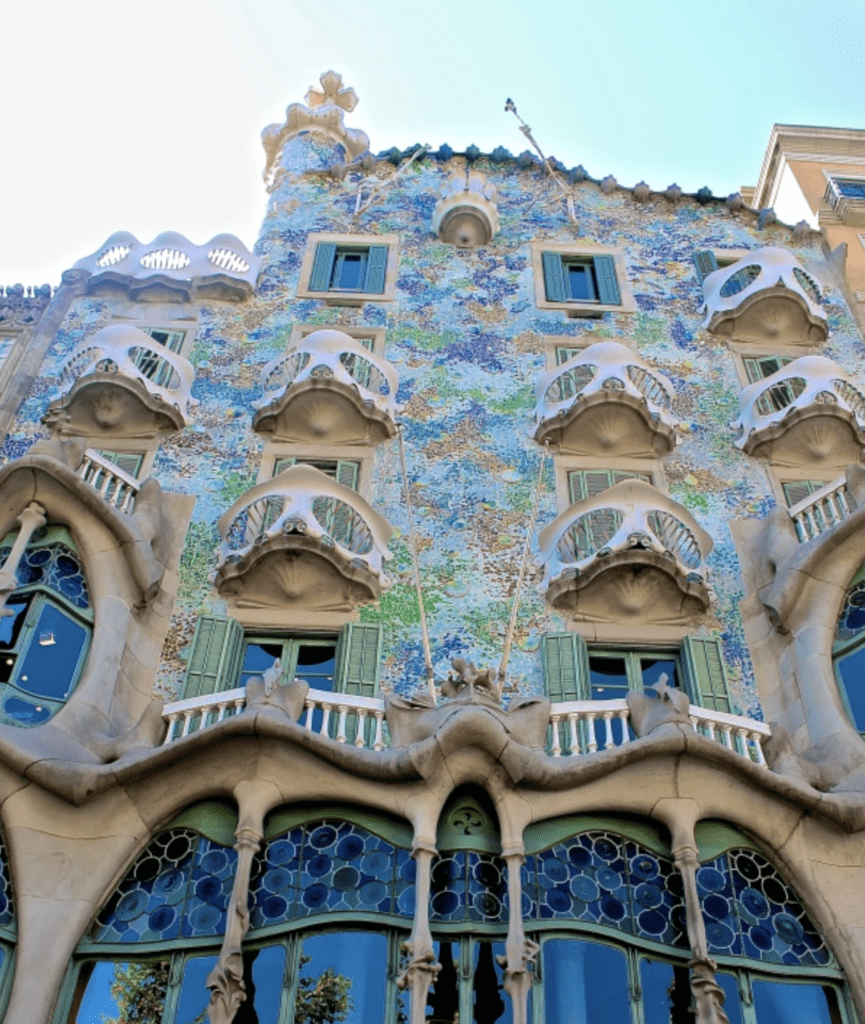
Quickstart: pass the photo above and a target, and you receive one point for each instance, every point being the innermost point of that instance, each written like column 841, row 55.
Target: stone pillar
column 422, row 969
column 520, row 951
column 32, row 518
column 225, row 981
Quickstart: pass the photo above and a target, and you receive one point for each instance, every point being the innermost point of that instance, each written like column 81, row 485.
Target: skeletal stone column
column 422, row 969
column 520, row 951
column 707, row 993
column 225, row 981
column 31, row 519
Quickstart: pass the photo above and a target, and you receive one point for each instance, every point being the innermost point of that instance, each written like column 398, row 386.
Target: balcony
column 121, row 382
column 576, row 728
column 809, row 411
column 628, row 554
column 765, row 296
column 173, row 269
column 466, row 215
column 328, row 387
column 110, row 482
column 845, row 199
column 606, row 399
column 301, row 540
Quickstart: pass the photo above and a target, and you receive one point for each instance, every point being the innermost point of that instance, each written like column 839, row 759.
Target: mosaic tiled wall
column 467, row 341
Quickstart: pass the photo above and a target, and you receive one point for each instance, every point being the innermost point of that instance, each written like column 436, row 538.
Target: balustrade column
column 423, row 968
column 225, row 981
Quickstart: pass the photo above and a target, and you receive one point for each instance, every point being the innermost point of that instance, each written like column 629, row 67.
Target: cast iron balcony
column 330, row 387
column 628, row 552
column 807, row 411
column 605, row 398
column 302, row 538
column 765, row 296
column 122, row 381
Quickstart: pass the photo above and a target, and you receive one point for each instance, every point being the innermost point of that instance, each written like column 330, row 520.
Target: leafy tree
column 139, row 990
column 322, row 1000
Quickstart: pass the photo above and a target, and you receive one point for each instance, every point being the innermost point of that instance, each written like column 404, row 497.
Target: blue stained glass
column 54, row 566
column 180, row 885
column 468, row 886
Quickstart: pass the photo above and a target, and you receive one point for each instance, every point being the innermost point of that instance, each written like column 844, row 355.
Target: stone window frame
column 349, row 298
column 779, row 475
column 563, row 465
column 375, row 335
column 362, row 454
column 585, row 250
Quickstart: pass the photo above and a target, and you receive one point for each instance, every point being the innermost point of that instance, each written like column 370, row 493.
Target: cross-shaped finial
column 332, row 94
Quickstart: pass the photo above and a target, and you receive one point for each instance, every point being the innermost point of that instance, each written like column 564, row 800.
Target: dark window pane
column 580, row 284
column 851, row 669
column 491, row 1004
column 315, row 664
column 342, row 973
column 348, row 271
column 194, row 997
column 50, row 667
column 609, row 678
column 24, row 711
column 653, row 668
column 443, row 1001
column 585, row 981
column 780, row 1003
column 263, row 971
column 732, row 1002
column 666, row 993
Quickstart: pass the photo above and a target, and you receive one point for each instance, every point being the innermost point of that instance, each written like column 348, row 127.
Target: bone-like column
column 520, row 952
column 422, row 969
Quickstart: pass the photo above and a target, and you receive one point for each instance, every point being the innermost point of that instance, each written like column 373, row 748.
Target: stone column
column 225, row 981
column 520, row 951
column 32, row 518
column 422, row 969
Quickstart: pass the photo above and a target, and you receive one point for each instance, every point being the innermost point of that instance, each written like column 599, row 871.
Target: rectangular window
column 344, row 471
column 129, row 462
column 614, row 674
column 565, row 352
column 312, row 659
column 580, row 279
column 798, row 490
column 349, row 268
column 172, row 340
column 586, row 483
column 847, row 188
column 337, row 519
column 760, row 367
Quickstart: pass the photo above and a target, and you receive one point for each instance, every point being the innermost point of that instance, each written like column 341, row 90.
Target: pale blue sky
column 146, row 117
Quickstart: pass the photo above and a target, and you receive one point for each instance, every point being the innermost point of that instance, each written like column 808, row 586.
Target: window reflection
column 666, row 993
column 585, row 981
column 778, row 1003
column 134, row 989
column 341, row 977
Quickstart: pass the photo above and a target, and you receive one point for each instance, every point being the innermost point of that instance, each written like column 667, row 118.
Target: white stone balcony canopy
column 466, row 215
column 301, row 539
column 328, row 387
column 605, row 399
column 808, row 411
column 173, row 268
column 120, row 381
column 629, row 552
column 765, row 296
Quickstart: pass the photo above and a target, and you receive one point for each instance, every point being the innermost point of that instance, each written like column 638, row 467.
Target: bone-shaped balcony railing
column 607, row 368
column 770, row 268
column 332, row 355
column 811, row 382
column 303, row 500
column 126, row 350
column 632, row 515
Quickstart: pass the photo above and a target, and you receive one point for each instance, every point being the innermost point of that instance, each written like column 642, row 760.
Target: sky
column 147, row 117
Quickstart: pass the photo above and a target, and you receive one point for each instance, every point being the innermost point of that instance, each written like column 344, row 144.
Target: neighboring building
column 818, row 174
column 251, row 770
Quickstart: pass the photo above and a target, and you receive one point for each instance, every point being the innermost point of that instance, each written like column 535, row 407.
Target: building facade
column 449, row 611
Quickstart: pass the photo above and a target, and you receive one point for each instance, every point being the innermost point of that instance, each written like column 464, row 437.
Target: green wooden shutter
column 376, row 269
column 608, row 286
column 347, row 473
column 566, row 667
column 129, row 462
column 705, row 262
column 705, row 675
column 322, row 267
column 215, row 660
column 554, row 277
column 358, row 659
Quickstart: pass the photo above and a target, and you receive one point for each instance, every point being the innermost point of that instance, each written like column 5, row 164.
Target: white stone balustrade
column 127, row 351
column 822, row 510
column 605, row 372
column 223, row 266
column 331, row 356
column 303, row 500
column 631, row 515
column 808, row 385
column 774, row 275
column 109, row 481
column 576, row 727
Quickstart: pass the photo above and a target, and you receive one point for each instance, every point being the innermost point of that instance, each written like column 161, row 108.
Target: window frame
column 371, row 338
column 584, row 253
column 565, row 465
column 348, row 297
column 362, row 454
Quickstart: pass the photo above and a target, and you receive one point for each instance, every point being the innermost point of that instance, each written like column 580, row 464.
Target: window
column 849, row 651
column 45, row 635
column 760, row 367
column 586, row 483
column 348, row 269
column 129, row 462
column 312, row 659
column 337, row 518
column 798, row 490
column 172, row 340
column 580, row 281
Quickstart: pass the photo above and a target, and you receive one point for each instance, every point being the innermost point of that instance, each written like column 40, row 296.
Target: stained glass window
column 7, row 908
column 849, row 653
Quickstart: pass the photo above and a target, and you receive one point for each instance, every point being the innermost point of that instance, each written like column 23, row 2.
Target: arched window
column 331, row 900
column 46, row 629
column 849, row 650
